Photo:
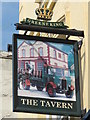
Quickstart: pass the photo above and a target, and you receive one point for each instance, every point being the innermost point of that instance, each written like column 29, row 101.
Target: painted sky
column 10, row 16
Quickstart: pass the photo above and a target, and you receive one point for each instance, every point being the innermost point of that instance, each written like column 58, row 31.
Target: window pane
column 41, row 51
column 32, row 52
column 40, row 65
column 54, row 53
column 22, row 64
column 23, row 53
column 59, row 55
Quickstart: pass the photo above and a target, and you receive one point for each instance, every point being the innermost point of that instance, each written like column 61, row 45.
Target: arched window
column 23, row 52
column 32, row 52
column 40, row 50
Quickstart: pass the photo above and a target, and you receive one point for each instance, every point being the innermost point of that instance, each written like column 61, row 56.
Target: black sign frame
column 17, row 104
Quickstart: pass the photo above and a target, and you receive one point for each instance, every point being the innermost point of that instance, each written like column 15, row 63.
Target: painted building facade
column 40, row 53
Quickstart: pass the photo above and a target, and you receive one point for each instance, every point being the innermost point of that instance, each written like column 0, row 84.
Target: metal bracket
column 80, row 44
column 36, row 28
column 86, row 116
column 83, row 112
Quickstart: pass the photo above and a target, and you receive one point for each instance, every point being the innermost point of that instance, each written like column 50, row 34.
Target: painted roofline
column 23, row 43
column 55, row 47
column 45, row 43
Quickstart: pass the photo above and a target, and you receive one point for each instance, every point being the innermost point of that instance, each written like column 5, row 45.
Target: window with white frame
column 63, row 57
column 23, row 52
column 40, row 50
column 54, row 53
column 32, row 52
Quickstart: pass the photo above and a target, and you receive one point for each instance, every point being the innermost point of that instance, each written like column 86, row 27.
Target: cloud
column 64, row 47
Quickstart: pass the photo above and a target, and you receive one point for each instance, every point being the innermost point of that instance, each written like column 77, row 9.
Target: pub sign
column 45, row 75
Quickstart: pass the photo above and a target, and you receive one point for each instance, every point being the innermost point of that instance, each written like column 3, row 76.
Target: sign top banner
column 29, row 21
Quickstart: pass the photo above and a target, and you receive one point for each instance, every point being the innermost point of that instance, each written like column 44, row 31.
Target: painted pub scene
column 46, row 70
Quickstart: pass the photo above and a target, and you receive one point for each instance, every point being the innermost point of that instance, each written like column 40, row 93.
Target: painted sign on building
column 43, row 75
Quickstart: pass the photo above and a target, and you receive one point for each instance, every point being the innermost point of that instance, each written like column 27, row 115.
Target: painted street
column 33, row 92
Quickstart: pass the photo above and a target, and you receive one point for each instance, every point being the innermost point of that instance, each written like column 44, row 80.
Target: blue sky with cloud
column 64, row 47
column 9, row 15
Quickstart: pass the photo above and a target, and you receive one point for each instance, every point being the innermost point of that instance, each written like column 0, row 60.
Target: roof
column 45, row 43
column 54, row 47
column 22, row 44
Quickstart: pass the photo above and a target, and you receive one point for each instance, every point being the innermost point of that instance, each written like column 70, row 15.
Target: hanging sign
column 45, row 76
